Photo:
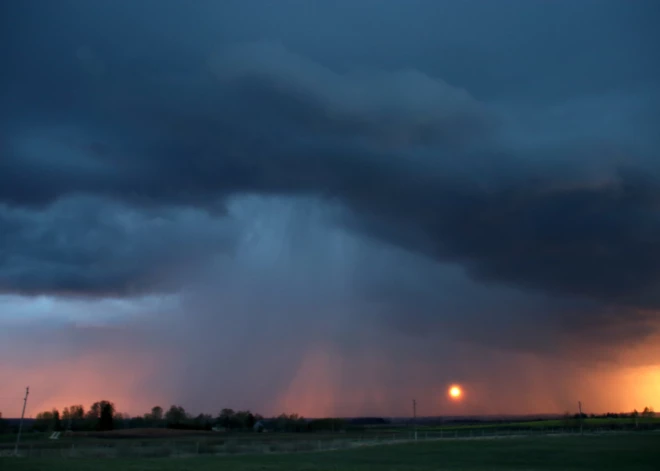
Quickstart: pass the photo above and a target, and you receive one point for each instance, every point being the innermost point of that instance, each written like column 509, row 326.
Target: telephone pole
column 414, row 404
column 20, row 424
column 580, row 410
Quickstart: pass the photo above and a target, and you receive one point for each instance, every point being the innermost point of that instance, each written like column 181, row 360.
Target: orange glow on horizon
column 59, row 384
column 327, row 382
column 319, row 388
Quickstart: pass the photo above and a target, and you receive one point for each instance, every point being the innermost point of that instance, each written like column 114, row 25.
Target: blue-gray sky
column 331, row 206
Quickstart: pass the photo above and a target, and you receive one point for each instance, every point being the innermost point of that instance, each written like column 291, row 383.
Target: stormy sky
column 330, row 207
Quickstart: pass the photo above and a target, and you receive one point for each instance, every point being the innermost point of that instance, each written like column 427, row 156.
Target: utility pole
column 20, row 424
column 414, row 402
column 580, row 410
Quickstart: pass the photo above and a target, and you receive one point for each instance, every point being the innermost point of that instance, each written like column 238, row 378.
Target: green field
column 629, row 452
column 588, row 423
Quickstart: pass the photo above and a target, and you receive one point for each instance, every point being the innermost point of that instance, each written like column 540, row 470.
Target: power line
column 414, row 404
column 20, row 424
column 580, row 411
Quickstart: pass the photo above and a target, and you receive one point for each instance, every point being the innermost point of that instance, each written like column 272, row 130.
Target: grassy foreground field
column 629, row 452
column 547, row 424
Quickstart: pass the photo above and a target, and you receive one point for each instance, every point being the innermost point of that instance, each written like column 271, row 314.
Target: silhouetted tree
column 202, row 422
column 94, row 411
column 107, row 415
column 121, row 420
column 175, row 415
column 4, row 425
column 76, row 412
column 156, row 413
column 154, row 418
column 57, row 423
column 250, row 420
column 73, row 417
column 100, row 416
column 226, row 418
column 290, row 423
column 43, row 422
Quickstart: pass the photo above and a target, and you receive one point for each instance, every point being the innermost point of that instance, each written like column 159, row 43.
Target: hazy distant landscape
column 100, row 438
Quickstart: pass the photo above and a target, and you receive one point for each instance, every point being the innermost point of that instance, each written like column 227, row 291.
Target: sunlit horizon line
column 383, row 416
column 129, row 415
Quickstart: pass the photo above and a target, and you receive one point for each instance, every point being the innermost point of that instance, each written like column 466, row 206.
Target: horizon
column 466, row 416
column 484, row 417
column 330, row 208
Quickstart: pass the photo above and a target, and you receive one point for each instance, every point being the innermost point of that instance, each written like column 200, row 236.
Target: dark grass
column 588, row 423
column 40, row 440
column 629, row 452
column 601, row 423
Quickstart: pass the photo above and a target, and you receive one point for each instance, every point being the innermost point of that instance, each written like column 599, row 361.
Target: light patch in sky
column 24, row 310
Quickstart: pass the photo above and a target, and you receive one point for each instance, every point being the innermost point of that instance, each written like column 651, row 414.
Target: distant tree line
column 648, row 412
column 635, row 417
column 103, row 416
column 4, row 425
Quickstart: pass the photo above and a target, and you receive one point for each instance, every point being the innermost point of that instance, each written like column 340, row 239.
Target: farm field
column 630, row 452
column 163, row 442
column 588, row 423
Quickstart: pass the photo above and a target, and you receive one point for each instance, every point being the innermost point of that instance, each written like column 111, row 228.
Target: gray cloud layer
column 517, row 143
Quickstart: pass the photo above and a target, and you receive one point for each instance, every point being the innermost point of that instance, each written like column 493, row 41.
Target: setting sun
column 455, row 392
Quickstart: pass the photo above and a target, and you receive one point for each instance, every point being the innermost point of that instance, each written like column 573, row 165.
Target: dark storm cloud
column 516, row 195
column 348, row 203
column 81, row 246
